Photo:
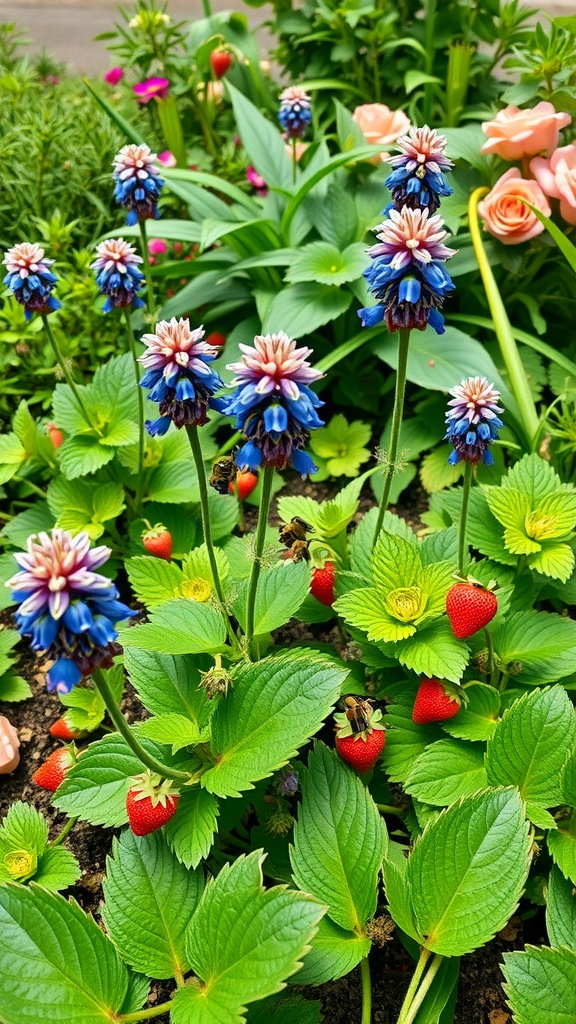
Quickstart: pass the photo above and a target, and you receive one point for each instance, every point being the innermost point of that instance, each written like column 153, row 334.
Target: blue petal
column 158, row 427
column 275, row 418
column 436, row 320
column 409, row 290
column 371, row 316
column 249, row 456
column 303, row 463
column 63, row 676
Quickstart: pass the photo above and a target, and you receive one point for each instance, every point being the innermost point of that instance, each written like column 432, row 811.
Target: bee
column 358, row 712
column 294, row 531
column 300, row 551
column 224, row 473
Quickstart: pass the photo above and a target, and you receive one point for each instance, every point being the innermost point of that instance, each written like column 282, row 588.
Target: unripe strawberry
column 53, row 771
column 322, row 585
column 435, row 702
column 55, row 434
column 150, row 803
column 245, row 483
column 221, row 62
column 62, row 731
column 469, row 608
column 158, row 541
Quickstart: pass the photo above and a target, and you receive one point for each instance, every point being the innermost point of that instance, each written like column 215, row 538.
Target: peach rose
column 297, row 149
column 380, row 125
column 515, row 133
column 505, row 216
column 9, row 743
column 557, row 178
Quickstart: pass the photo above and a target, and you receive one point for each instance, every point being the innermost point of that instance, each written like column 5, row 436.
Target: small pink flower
column 152, row 88
column 256, row 180
column 380, row 125
column 557, row 178
column 9, row 744
column 167, row 159
column 114, row 76
column 505, row 215
column 515, row 133
column 156, row 246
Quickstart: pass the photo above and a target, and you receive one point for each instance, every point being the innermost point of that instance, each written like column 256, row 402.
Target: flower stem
column 490, row 647
column 147, row 268
column 66, row 829
column 257, row 563
column 126, row 732
column 366, row 991
column 65, row 370
column 132, row 343
column 390, row 809
column 418, row 999
column 294, row 163
column 415, row 981
column 192, row 431
column 462, row 549
column 207, row 8
column 516, row 373
column 149, row 1014
column 403, row 343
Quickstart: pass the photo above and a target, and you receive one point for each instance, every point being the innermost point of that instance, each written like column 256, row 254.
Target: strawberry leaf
column 169, row 684
column 190, row 832
column 539, row 647
column 477, row 719
column 446, row 771
column 178, row 627
column 281, row 591
column 541, row 985
column 335, row 952
column 561, row 911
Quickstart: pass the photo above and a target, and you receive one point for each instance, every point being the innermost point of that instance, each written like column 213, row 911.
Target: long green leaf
column 527, row 339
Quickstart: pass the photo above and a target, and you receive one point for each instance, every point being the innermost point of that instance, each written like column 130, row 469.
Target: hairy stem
column 462, row 549
column 403, row 343
column 366, row 991
column 132, row 343
column 257, row 563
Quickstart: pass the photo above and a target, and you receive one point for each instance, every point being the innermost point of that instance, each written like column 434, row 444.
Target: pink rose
column 9, row 744
column 380, row 125
column 114, row 76
column 156, row 246
column 167, row 159
column 152, row 88
column 505, row 216
column 515, row 133
column 557, row 178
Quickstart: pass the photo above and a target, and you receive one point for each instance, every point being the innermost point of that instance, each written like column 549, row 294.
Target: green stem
column 294, row 166
column 503, row 682
column 33, row 487
column 403, row 343
column 390, row 809
column 149, row 1014
column 516, row 373
column 490, row 647
column 429, row 37
column 67, row 828
column 207, row 8
column 423, row 989
column 366, row 991
column 192, row 431
column 462, row 548
column 124, row 729
column 147, row 269
column 415, row 981
column 132, row 343
column 65, row 371
column 257, row 563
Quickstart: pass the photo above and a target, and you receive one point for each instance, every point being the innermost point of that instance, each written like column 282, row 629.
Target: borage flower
column 151, row 89
column 138, row 182
column 66, row 608
column 417, row 179
column 179, row 375
column 472, row 421
column 408, row 277
column 30, row 279
column 273, row 405
column 117, row 274
column 294, row 114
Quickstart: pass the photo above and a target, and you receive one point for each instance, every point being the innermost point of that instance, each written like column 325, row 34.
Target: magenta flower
column 256, row 180
column 151, row 89
column 167, row 159
column 157, row 246
column 114, row 76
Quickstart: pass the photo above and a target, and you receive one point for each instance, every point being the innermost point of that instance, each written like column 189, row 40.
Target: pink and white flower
column 274, row 363
column 53, row 568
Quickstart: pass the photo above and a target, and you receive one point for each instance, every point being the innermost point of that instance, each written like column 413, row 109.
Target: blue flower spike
column 295, row 114
column 138, row 182
column 30, row 279
column 472, row 421
column 117, row 274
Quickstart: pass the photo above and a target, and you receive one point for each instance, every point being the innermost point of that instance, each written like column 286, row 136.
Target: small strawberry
column 322, row 585
column 245, row 483
column 158, row 541
column 216, row 339
column 435, row 702
column 469, row 608
column 221, row 62
column 360, row 736
column 62, row 731
column 50, row 774
column 150, row 803
column 55, row 434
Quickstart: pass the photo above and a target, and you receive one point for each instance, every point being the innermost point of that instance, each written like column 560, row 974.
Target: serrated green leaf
column 554, row 560
column 477, row 719
column 273, row 708
column 95, row 787
column 114, row 391
column 285, row 1009
column 84, row 506
column 529, row 745
column 399, row 895
column 405, row 741
column 66, row 412
column 190, row 832
column 361, row 542
column 14, row 688
column 57, row 869
column 281, row 591
column 539, row 646
column 178, row 627
column 168, row 684
column 55, row 956
column 24, row 426
column 149, row 900
column 171, row 729
column 540, row 985
column 467, row 871
column 562, row 846
column 339, row 841
column 33, row 520
column 154, row 580
column 120, row 434
column 83, row 455
column 446, row 771
column 23, row 828
column 327, row 264
column 561, row 911
column 335, row 952
column 196, row 565
column 433, row 651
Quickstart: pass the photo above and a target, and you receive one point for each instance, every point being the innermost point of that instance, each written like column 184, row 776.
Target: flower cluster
column 408, row 277
column 177, row 363
column 472, row 421
column 138, row 182
column 117, row 274
column 30, row 279
column 66, row 608
column 273, row 403
column 418, row 176
column 294, row 114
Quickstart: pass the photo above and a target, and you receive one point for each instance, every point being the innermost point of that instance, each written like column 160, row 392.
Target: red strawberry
column 55, row 434
column 150, row 803
column 50, row 774
column 469, row 608
column 362, row 750
column 245, row 483
column 221, row 62
column 62, row 731
column 158, row 541
column 322, row 586
column 435, row 702
column 216, row 339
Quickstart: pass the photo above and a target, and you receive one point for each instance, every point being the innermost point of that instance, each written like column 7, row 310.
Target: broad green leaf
column 57, row 869
column 405, row 741
column 262, row 141
column 477, row 719
column 154, row 580
column 23, row 840
column 561, row 911
column 281, row 591
column 243, row 943
column 12, row 455
column 272, row 709
column 114, row 391
column 436, row 362
column 285, row 1009
column 178, row 627
column 339, row 841
column 95, row 787
column 65, row 409
column 300, row 309
column 33, row 520
column 540, row 985
column 190, row 832
column 168, row 684
column 562, row 846
column 540, row 647
column 433, row 651
column 56, row 957
column 399, row 896
column 446, row 771
column 468, row 869
column 327, row 264
column 196, row 565
column 85, row 506
column 14, row 688
column 83, row 455
column 173, row 730
column 528, row 747
column 149, row 900
column 335, row 952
